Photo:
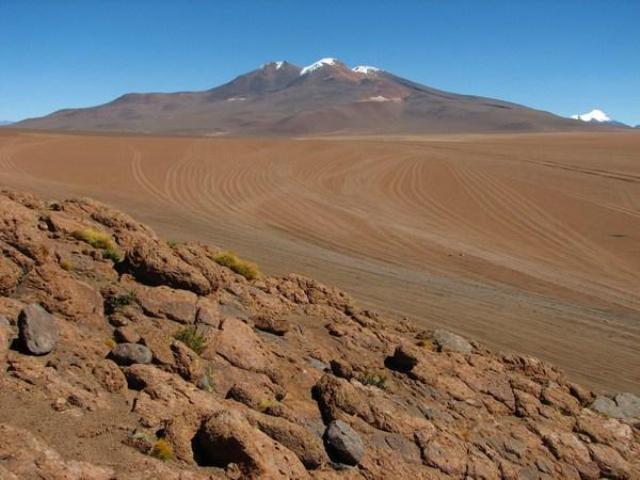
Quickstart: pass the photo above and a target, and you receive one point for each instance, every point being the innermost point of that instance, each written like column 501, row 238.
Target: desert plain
column 525, row 242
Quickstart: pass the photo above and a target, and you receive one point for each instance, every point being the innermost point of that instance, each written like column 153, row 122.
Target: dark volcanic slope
column 327, row 97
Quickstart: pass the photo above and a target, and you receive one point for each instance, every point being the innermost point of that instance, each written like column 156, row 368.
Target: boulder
column 271, row 324
column 344, row 444
column 165, row 302
column 126, row 334
column 110, row 376
column 301, row 441
column 228, row 438
column 153, row 263
column 131, row 353
column 404, row 358
column 450, row 342
column 625, row 406
column 38, row 330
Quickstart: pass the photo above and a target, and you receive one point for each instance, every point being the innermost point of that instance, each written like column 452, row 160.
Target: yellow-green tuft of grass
column 426, row 344
column 375, row 379
column 110, row 343
column 101, row 241
column 242, row 267
column 192, row 339
column 65, row 265
column 265, row 404
column 162, row 450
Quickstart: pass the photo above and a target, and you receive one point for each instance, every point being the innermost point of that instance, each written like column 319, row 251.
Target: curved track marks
column 528, row 242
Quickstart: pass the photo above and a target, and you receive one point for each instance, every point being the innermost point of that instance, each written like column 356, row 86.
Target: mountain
column 5, row 122
column 280, row 98
column 597, row 116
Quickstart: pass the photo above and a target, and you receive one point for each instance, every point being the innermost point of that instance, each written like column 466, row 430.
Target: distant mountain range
column 5, row 122
column 326, row 97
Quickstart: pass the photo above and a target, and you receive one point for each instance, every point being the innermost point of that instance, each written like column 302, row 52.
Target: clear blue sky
column 562, row 56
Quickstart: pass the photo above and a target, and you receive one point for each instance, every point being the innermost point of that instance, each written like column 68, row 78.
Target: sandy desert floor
column 526, row 242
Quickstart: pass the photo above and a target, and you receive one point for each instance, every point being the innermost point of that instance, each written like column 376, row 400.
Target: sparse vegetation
column 101, row 241
column 192, row 339
column 206, row 382
column 162, row 450
column 114, row 303
column 110, row 343
column 242, row 267
column 65, row 265
column 374, row 379
column 265, row 404
column 426, row 344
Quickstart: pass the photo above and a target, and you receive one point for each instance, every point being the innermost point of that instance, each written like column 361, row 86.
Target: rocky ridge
column 123, row 356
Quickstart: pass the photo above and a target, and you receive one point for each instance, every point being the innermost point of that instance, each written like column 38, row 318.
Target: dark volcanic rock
column 343, row 443
column 131, row 353
column 38, row 330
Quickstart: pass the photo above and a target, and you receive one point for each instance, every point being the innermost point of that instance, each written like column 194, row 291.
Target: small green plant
column 101, row 241
column 162, row 450
column 242, row 267
column 192, row 339
column 116, row 302
column 110, row 343
column 173, row 243
column 265, row 404
column 374, row 379
column 65, row 265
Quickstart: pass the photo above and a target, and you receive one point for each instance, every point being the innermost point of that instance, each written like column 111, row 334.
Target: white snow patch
column 236, row 99
column 279, row 64
column 365, row 69
column 379, row 98
column 319, row 64
column 593, row 116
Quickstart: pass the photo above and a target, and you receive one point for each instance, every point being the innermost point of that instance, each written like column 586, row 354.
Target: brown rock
column 165, row 302
column 61, row 293
column 187, row 362
column 610, row 462
column 110, row 376
column 227, row 437
column 207, row 313
column 4, row 345
column 446, row 453
column 305, row 444
column 126, row 334
column 271, row 324
column 404, row 358
column 27, row 457
column 568, row 448
column 239, row 345
column 153, row 263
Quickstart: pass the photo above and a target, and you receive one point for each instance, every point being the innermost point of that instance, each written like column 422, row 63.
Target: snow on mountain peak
column 319, row 64
column 593, row 116
column 279, row 64
column 365, row 69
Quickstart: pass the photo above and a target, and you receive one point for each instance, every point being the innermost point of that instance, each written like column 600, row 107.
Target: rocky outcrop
column 167, row 363
column 38, row 330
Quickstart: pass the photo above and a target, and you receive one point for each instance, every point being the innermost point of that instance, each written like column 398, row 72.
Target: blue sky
column 563, row 56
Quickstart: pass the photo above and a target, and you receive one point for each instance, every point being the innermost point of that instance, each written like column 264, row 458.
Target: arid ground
column 525, row 242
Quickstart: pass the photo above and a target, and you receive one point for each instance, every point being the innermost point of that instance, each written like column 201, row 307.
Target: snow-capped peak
column 319, row 64
column 365, row 69
column 279, row 64
column 593, row 116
